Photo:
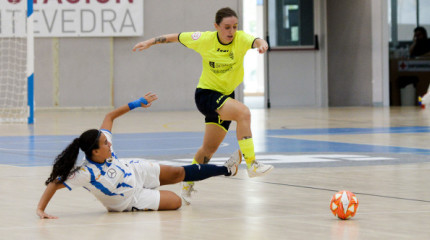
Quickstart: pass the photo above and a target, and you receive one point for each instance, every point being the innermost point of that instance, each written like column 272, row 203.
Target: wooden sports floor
column 380, row 154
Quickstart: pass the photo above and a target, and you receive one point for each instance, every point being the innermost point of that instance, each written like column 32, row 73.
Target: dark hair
column 65, row 161
column 421, row 29
column 223, row 13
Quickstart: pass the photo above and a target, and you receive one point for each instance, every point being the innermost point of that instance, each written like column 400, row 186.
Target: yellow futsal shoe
column 187, row 189
column 258, row 169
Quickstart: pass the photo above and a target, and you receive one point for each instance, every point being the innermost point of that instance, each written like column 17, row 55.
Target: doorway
column 253, row 23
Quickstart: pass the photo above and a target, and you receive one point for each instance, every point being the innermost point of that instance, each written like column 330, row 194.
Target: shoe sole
column 237, row 167
column 262, row 174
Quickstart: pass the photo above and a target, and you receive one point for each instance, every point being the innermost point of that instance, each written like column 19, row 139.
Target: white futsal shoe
column 187, row 190
column 258, row 169
column 232, row 164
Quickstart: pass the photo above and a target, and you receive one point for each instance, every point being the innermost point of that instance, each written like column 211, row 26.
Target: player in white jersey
column 123, row 185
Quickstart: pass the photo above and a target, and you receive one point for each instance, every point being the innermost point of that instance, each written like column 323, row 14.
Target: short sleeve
column 246, row 40
column 78, row 178
column 192, row 40
column 108, row 134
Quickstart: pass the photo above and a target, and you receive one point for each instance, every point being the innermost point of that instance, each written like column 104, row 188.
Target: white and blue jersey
column 115, row 182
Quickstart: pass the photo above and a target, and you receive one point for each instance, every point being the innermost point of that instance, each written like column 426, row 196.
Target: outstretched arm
column 145, row 102
column 261, row 45
column 168, row 38
column 46, row 197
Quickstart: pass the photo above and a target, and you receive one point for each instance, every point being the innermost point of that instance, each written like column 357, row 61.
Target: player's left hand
column 43, row 215
column 263, row 48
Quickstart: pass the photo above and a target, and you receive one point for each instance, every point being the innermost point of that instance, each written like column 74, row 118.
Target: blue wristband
column 136, row 103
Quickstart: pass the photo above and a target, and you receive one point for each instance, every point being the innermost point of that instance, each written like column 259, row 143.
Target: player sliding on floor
column 222, row 53
column 123, row 185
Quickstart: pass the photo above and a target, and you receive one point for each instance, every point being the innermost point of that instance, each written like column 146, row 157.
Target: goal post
column 16, row 61
column 30, row 62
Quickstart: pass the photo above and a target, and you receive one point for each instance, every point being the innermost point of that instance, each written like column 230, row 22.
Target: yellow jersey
column 222, row 63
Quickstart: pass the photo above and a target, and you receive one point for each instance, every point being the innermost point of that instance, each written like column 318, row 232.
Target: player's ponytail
column 65, row 161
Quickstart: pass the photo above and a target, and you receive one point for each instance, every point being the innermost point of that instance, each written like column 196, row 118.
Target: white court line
column 122, row 150
column 73, row 136
column 369, row 158
column 166, row 149
column 25, row 150
column 190, row 159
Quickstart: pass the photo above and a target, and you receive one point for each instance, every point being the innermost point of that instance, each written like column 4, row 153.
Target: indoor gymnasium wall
column 104, row 72
column 72, row 72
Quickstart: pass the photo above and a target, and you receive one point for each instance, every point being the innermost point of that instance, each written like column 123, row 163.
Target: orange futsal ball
column 344, row 204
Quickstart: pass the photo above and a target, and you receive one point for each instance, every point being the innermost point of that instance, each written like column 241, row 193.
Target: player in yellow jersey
column 222, row 53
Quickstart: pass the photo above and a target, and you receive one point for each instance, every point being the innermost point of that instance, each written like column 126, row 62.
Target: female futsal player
column 123, row 185
column 222, row 52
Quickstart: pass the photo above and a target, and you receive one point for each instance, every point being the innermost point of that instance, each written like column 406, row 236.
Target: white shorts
column 148, row 178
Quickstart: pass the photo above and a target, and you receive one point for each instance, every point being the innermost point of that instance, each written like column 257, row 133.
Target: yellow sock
column 247, row 148
column 193, row 162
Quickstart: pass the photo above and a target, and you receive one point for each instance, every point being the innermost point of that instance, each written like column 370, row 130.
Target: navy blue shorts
column 208, row 101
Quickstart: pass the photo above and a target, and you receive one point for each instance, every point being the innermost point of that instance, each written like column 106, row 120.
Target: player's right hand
column 141, row 46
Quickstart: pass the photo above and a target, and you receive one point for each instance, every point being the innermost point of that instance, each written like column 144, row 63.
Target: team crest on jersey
column 231, row 55
column 196, row 35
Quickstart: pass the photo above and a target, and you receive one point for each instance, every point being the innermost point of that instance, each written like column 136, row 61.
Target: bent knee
column 169, row 201
column 246, row 114
column 243, row 114
column 175, row 202
column 178, row 203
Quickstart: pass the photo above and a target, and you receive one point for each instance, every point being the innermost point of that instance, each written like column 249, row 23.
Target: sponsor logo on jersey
column 222, row 50
column 221, row 67
column 111, row 173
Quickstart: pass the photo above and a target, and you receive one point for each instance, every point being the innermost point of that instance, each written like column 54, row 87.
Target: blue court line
column 42, row 150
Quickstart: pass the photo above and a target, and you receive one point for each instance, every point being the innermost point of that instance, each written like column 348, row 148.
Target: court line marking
column 334, row 191
column 122, row 150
